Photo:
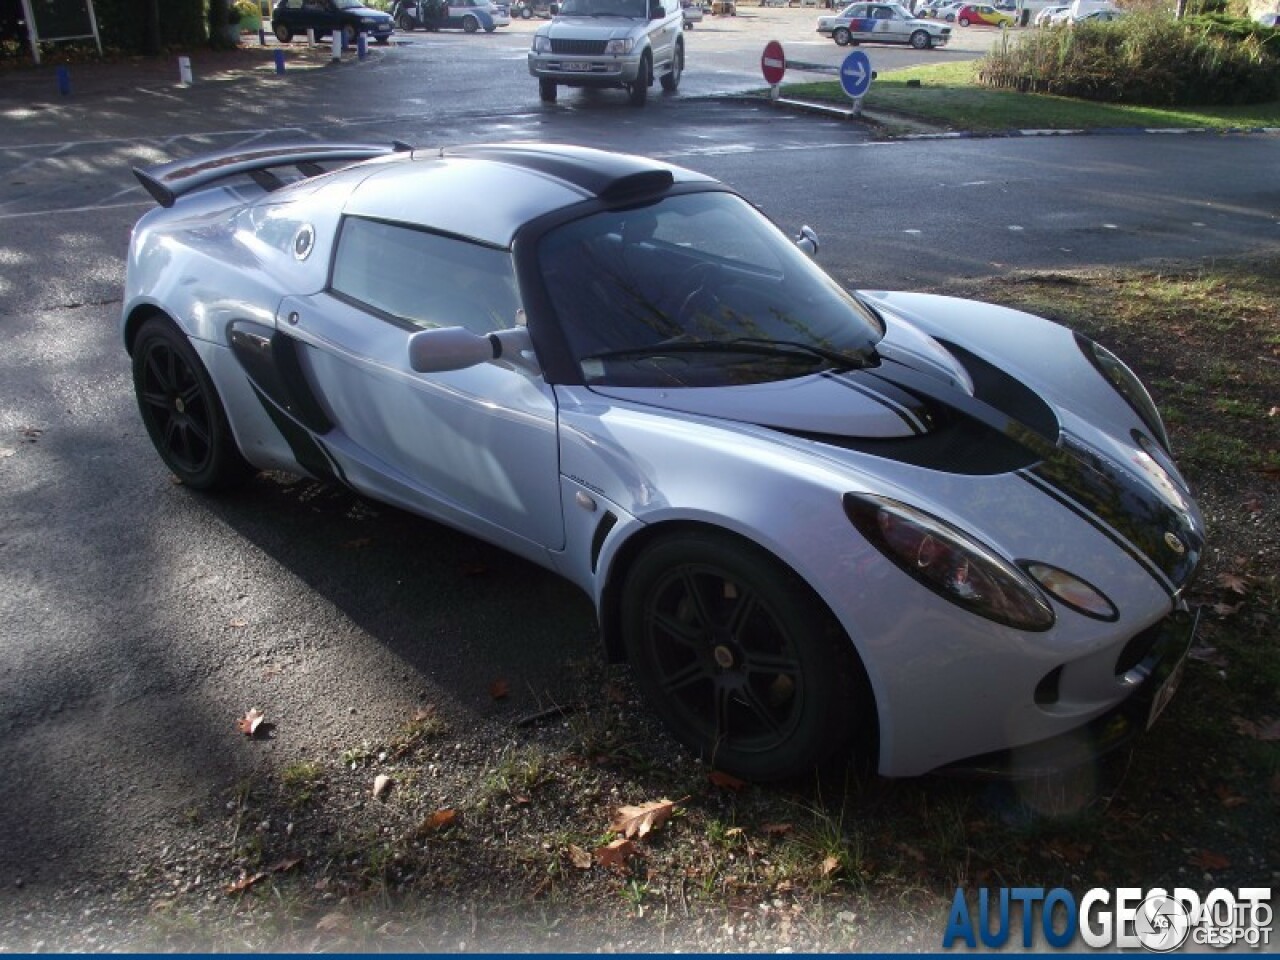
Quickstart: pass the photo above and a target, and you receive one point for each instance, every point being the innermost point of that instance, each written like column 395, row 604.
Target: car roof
column 488, row 192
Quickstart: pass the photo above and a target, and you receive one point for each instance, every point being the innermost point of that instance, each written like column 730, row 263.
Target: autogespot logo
column 1128, row 917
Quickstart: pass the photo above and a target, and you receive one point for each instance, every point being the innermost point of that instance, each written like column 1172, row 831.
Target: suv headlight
column 949, row 562
column 541, row 43
column 626, row 45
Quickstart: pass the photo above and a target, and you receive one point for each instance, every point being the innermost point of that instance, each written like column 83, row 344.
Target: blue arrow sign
column 855, row 74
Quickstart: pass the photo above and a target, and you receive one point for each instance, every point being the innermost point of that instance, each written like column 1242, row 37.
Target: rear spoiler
column 166, row 182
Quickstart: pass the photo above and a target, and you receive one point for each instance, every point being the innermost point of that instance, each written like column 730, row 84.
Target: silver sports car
column 940, row 532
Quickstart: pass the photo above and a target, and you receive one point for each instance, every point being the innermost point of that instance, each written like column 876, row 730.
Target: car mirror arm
column 456, row 348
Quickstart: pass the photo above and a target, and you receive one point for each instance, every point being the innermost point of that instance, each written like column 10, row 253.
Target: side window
column 424, row 279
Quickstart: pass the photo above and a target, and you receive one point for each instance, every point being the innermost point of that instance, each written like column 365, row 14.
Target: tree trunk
column 219, row 14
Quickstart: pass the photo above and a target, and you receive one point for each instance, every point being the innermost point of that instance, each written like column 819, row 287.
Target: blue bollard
column 362, row 45
column 279, row 61
column 64, row 81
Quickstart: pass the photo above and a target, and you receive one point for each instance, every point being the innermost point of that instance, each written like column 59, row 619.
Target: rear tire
column 547, row 90
column 181, row 410
column 405, row 23
column 841, row 36
column 964, row 21
column 920, row 40
column 470, row 25
column 671, row 81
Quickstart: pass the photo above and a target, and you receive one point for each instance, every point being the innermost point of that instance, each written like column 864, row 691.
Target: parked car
column 610, row 43
column 1046, row 14
column 945, row 10
column 692, row 12
column 934, row 528
column 293, row 18
column 724, row 8
column 469, row 16
column 982, row 14
column 882, row 23
column 528, row 9
column 1100, row 16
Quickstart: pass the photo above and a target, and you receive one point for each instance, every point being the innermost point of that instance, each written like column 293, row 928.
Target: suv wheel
column 547, row 90
column 671, row 81
column 283, row 33
column 639, row 92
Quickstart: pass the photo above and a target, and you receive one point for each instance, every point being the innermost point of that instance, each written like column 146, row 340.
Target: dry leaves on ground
column 638, row 821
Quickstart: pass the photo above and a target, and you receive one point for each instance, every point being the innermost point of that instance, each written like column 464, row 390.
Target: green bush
column 1148, row 59
column 247, row 14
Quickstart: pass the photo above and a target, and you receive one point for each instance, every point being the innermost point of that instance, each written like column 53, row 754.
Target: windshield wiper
column 791, row 349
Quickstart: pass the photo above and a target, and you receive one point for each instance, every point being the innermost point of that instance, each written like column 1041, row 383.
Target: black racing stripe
column 1122, row 502
column 907, row 407
column 307, row 451
column 1105, row 529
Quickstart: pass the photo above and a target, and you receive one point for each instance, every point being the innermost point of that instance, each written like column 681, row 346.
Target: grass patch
column 948, row 95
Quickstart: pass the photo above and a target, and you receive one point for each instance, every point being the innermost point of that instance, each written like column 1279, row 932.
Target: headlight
column 619, row 46
column 949, row 562
column 1075, row 593
column 541, row 44
column 1126, row 384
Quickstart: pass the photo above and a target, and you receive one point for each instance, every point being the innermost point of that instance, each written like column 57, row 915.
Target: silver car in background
column 610, row 43
column 882, row 23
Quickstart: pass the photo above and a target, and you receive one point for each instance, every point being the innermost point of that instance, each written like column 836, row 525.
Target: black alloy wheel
column 638, row 94
column 181, row 410
column 739, row 658
column 671, row 81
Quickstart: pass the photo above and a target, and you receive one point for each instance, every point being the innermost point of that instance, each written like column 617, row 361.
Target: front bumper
column 1155, row 680
column 584, row 71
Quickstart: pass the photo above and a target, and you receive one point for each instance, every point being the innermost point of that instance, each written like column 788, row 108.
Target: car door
column 664, row 30
column 475, row 447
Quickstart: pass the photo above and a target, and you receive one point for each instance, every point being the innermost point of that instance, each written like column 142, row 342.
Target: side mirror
column 655, row 10
column 807, row 240
column 456, row 348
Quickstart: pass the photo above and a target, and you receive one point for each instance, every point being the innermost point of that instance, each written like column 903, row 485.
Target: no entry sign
column 773, row 62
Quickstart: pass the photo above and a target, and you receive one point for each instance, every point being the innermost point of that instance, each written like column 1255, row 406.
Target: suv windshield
column 698, row 290
column 604, row 8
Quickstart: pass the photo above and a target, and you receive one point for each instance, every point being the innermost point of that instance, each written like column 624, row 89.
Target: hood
column 589, row 28
column 848, row 405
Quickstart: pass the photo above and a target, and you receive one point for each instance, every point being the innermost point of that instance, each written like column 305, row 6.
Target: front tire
column 181, row 410
column 743, row 663
column 920, row 40
column 964, row 21
column 283, row 33
column 470, row 25
column 841, row 36
column 547, row 90
column 405, row 23
column 671, row 81
column 639, row 92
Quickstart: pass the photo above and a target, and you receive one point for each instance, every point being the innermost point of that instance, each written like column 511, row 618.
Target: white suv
column 610, row 43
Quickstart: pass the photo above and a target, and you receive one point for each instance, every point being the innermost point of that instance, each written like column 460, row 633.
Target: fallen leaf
column 830, row 866
column 250, row 722
column 1226, row 609
column 1266, row 729
column 777, row 829
column 381, row 784
column 1208, row 860
column 439, row 820
column 726, row 780
column 1230, row 799
column 615, row 854
column 238, row 623
column 579, row 857
column 333, row 922
column 1233, row 582
column 1207, row 654
column 245, row 882
column 499, row 690
column 638, row 821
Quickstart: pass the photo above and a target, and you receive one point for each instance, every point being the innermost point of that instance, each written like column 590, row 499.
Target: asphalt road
column 138, row 620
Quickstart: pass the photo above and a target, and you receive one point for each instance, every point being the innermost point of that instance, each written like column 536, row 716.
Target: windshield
column 698, row 290
column 604, row 8
column 348, row 4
